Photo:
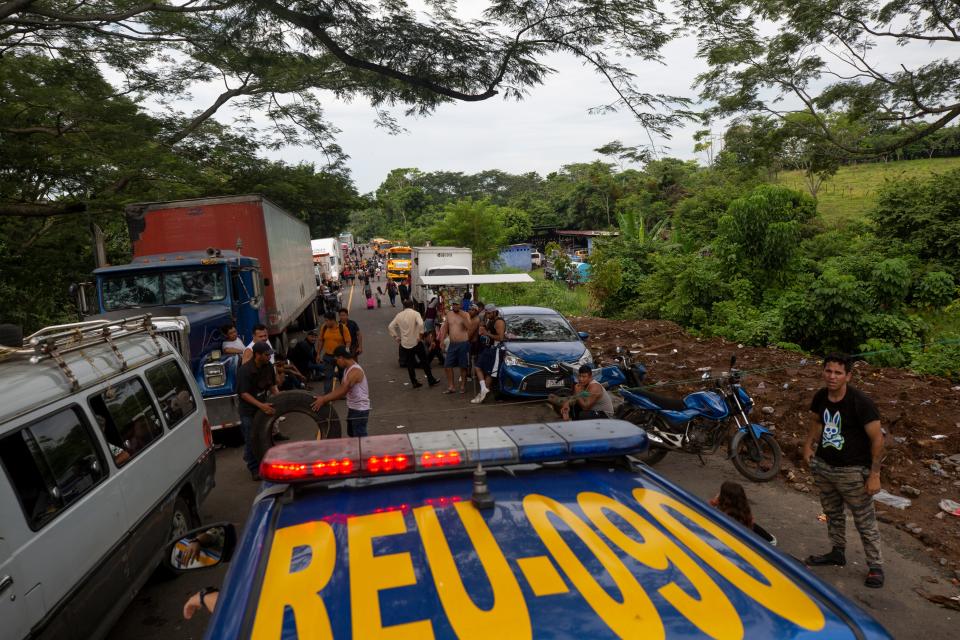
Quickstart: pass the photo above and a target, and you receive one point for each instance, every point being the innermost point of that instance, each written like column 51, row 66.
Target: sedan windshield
column 132, row 290
column 539, row 328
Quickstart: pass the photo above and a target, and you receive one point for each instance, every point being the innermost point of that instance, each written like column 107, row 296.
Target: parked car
column 537, row 339
column 565, row 535
column 106, row 454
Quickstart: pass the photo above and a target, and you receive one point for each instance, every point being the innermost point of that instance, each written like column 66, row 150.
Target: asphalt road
column 791, row 516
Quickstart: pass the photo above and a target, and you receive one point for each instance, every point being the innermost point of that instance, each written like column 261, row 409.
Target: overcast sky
column 547, row 130
column 550, row 128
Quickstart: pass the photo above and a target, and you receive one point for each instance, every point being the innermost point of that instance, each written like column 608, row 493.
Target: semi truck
column 346, row 238
column 202, row 263
column 437, row 261
column 327, row 248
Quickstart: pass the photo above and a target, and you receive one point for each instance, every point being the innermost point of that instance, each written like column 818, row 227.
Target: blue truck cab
column 190, row 296
column 562, row 535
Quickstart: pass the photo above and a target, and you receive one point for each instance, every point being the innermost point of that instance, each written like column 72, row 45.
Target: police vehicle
column 530, row 531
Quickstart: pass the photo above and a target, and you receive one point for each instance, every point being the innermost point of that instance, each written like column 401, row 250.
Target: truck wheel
column 11, row 335
column 287, row 403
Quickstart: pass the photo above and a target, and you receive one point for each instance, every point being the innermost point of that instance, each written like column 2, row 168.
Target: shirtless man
column 456, row 325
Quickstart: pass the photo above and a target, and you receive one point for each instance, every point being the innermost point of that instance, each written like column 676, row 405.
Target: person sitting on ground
column 589, row 401
column 732, row 500
column 288, row 375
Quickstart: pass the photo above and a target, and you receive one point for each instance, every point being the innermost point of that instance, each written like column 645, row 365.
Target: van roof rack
column 56, row 341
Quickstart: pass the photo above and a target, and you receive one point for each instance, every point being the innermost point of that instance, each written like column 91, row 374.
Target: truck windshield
column 449, row 271
column 131, row 290
column 539, row 328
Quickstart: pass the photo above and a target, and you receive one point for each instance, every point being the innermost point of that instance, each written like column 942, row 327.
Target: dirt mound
column 920, row 414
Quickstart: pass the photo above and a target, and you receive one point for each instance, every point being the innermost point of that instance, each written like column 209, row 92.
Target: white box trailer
column 327, row 250
column 437, row 261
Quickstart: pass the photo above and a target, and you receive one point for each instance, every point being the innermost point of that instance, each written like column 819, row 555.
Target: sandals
column 447, row 392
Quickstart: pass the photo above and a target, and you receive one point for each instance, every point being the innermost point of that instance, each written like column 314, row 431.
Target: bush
column 942, row 359
column 890, row 282
column 883, row 354
column 935, row 289
column 925, row 212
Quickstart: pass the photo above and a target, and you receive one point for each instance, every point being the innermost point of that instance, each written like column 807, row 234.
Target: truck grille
column 175, row 338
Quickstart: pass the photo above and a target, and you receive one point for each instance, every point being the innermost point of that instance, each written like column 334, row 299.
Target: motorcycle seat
column 664, row 402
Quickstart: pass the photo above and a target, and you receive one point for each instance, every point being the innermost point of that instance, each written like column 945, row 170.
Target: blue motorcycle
column 700, row 422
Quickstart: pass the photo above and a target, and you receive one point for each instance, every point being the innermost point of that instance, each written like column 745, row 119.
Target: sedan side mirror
column 583, row 335
column 201, row 548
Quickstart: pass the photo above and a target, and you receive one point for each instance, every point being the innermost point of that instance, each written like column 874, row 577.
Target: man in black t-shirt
column 846, row 466
column 303, row 355
column 356, row 338
column 255, row 381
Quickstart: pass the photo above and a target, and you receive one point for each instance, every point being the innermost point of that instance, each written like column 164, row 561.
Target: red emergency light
column 440, row 458
column 314, row 460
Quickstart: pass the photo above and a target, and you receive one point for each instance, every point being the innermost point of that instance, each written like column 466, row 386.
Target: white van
column 105, row 455
column 536, row 259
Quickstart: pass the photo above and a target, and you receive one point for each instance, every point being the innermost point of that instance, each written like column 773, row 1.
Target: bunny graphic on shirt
column 832, row 436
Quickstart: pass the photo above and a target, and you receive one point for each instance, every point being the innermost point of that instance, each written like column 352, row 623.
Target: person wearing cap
column 303, row 355
column 589, row 401
column 255, row 380
column 492, row 330
column 332, row 334
column 356, row 391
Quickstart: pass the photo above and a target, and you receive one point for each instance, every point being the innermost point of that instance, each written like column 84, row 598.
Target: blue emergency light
column 441, row 450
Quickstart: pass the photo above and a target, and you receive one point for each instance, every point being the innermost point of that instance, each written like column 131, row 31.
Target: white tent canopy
column 479, row 278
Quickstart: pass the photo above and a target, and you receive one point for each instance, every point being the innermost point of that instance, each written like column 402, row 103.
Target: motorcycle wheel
column 759, row 460
column 653, row 454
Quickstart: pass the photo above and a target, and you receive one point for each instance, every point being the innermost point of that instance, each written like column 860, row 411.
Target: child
column 732, row 500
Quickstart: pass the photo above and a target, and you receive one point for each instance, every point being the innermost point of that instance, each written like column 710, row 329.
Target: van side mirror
column 201, row 548
column 583, row 335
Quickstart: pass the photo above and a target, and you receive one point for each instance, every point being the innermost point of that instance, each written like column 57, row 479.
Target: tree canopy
column 779, row 57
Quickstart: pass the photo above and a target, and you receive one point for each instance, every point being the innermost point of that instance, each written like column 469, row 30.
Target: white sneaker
column 480, row 397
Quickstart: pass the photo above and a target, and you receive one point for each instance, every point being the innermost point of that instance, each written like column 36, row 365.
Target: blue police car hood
column 546, row 353
column 536, row 560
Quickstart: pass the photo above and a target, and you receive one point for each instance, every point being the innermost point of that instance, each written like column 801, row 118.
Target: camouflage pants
column 841, row 486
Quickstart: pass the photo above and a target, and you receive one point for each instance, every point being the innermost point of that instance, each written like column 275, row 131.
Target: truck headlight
column 586, row 358
column 511, row 360
column 214, row 374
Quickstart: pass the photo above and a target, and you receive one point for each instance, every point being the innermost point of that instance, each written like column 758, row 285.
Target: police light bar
column 313, row 460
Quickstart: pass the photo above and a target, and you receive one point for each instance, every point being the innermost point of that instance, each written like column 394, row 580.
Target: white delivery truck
column 327, row 257
column 437, row 261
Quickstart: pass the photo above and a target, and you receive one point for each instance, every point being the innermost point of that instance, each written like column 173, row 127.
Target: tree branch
column 35, row 210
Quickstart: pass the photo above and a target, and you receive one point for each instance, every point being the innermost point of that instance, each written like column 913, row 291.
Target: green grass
column 852, row 192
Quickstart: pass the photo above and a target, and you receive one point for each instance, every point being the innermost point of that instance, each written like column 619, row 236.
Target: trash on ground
column 887, row 498
column 950, row 506
column 950, row 602
column 400, row 426
column 939, row 436
column 913, row 492
column 822, row 517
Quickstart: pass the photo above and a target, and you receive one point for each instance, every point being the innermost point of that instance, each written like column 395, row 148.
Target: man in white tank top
column 356, row 391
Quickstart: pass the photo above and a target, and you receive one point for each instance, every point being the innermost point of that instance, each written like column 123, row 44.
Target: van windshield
column 448, row 271
column 188, row 286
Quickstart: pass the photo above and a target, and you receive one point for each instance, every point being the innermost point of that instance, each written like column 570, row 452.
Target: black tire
column 182, row 520
column 327, row 419
column 653, row 454
column 751, row 461
column 11, row 335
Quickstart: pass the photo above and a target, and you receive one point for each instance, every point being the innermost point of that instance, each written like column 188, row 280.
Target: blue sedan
column 537, row 339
